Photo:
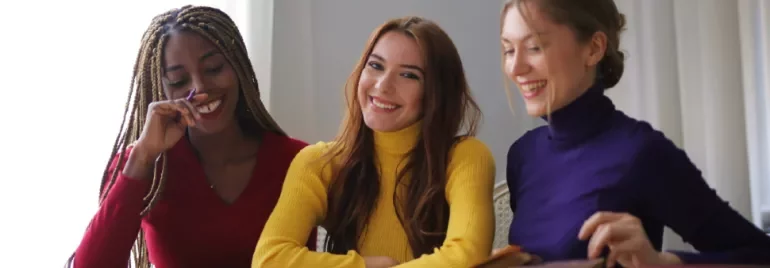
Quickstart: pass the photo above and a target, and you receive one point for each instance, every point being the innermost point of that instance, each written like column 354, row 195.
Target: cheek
column 168, row 94
column 227, row 79
column 566, row 72
column 364, row 84
column 413, row 95
column 508, row 67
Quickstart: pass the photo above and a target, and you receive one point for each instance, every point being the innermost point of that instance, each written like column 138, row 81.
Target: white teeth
column 383, row 105
column 533, row 86
column 210, row 107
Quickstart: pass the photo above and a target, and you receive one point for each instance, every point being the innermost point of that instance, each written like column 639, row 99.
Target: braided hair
column 146, row 87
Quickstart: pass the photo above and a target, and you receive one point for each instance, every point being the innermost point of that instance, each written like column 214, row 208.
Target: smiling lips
column 209, row 107
column 210, row 110
column 532, row 89
column 383, row 104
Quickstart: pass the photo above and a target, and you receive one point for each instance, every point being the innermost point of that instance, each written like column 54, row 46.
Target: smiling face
column 390, row 89
column 546, row 60
column 193, row 62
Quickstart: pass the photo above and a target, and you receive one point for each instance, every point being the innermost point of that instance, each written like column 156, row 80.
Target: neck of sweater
column 396, row 143
column 583, row 118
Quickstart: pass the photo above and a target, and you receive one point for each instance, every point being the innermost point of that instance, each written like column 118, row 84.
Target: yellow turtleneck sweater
column 302, row 206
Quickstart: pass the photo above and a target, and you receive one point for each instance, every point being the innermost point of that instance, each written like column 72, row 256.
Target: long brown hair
column 215, row 26
column 448, row 108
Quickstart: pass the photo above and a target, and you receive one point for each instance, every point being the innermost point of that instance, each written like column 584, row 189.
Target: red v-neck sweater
column 191, row 226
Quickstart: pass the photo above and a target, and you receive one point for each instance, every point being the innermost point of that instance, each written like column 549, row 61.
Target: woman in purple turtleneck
column 595, row 182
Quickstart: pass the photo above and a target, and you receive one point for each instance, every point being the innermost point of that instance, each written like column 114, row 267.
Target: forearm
column 458, row 253
column 111, row 233
column 278, row 252
column 299, row 209
column 471, row 176
column 675, row 193
column 290, row 228
column 139, row 164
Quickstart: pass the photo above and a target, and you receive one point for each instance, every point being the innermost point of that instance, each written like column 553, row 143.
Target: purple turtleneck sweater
column 592, row 157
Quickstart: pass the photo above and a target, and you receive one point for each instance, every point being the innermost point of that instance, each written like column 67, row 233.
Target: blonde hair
column 584, row 17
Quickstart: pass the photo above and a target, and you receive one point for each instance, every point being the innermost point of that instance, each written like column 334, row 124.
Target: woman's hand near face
column 624, row 235
column 165, row 125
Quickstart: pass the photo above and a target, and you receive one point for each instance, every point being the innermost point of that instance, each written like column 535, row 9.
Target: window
column 69, row 64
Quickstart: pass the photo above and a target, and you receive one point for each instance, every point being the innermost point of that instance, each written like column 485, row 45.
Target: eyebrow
column 525, row 38
column 204, row 57
column 408, row 66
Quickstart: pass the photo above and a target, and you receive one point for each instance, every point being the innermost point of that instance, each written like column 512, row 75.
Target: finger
column 593, row 222
column 187, row 120
column 191, row 107
column 182, row 114
column 613, row 235
column 199, row 98
column 612, row 259
column 163, row 109
column 635, row 261
column 188, row 108
column 598, row 241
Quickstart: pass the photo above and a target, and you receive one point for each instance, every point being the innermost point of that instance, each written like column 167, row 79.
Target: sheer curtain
column 65, row 76
column 698, row 70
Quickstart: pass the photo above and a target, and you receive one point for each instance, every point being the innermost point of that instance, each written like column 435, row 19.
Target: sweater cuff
column 127, row 190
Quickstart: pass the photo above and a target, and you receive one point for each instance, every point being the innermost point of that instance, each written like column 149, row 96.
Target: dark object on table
column 599, row 263
column 510, row 256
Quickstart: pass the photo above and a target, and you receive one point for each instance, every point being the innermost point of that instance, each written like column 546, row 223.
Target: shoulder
column 470, row 147
column 470, row 152
column 645, row 140
column 528, row 140
column 525, row 144
column 654, row 156
column 471, row 165
column 314, row 155
column 313, row 161
column 284, row 144
column 314, row 151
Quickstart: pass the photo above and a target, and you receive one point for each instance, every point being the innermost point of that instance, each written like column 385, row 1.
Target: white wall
column 317, row 43
column 682, row 75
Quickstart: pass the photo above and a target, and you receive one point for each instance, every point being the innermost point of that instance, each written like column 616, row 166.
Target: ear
column 597, row 46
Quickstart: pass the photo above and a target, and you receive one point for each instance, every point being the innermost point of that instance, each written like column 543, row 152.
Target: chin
column 380, row 126
column 213, row 126
column 536, row 110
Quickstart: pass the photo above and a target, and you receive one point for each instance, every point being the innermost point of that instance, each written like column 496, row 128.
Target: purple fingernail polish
column 192, row 94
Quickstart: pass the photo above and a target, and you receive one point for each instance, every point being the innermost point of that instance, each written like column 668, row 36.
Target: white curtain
column 698, row 70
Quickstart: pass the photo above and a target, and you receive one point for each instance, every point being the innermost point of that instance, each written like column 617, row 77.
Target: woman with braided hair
column 198, row 166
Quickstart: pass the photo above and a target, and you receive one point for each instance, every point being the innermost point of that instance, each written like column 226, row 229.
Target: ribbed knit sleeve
column 301, row 207
column 471, row 177
column 111, row 233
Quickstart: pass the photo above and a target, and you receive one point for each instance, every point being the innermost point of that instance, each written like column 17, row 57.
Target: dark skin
column 227, row 155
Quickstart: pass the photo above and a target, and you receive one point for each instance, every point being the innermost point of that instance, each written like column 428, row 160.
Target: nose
column 517, row 65
column 198, row 83
column 384, row 83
